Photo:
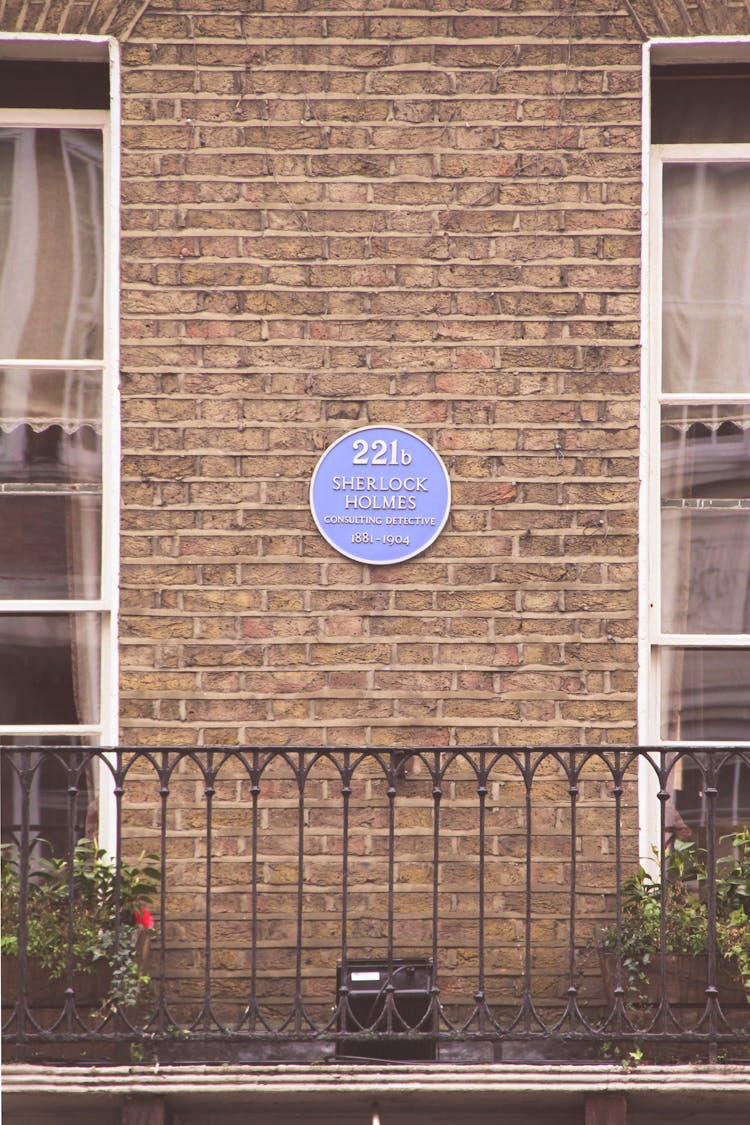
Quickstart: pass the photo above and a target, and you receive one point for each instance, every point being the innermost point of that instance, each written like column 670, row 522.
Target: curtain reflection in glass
column 50, row 483
column 51, row 242
column 49, row 668
column 706, row 277
column 705, row 694
column 44, row 397
column 705, row 451
column 705, row 497
column 50, row 546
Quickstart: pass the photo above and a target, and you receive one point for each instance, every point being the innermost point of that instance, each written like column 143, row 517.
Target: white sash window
column 695, row 656
column 59, row 439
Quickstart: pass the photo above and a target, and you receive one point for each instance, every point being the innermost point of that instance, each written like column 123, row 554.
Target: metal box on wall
column 369, row 983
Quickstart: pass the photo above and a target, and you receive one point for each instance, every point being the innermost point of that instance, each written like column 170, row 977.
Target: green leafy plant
column 77, row 916
column 682, row 898
column 733, row 907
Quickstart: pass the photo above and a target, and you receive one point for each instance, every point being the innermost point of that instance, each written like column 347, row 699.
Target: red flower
column 143, row 918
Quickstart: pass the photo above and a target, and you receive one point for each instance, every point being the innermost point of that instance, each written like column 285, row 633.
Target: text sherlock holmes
column 380, row 514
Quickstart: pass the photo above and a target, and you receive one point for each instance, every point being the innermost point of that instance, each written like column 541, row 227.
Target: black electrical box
column 369, row 984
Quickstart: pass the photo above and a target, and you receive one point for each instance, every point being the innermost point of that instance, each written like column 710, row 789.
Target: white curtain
column 706, row 277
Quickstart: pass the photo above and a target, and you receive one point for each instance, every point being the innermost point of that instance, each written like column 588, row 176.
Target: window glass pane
column 732, row 801
column 705, row 452
column 51, row 243
column 50, row 546
column 704, row 694
column 706, row 279
column 706, row 570
column 50, row 455
column 48, row 797
column 50, row 425
column 693, row 104
column 49, row 668
column 705, row 490
column 50, row 397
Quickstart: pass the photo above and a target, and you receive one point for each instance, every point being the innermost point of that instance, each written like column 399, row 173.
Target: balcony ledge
column 335, row 1089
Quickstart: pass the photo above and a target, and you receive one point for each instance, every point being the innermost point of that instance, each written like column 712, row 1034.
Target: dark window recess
column 36, row 84
column 695, row 105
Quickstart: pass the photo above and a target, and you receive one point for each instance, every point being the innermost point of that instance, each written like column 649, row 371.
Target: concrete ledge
column 290, row 1083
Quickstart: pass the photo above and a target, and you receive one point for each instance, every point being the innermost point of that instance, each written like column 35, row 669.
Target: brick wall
column 427, row 218
column 336, row 213
column 333, row 218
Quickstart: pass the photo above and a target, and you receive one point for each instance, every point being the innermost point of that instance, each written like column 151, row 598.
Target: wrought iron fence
column 434, row 903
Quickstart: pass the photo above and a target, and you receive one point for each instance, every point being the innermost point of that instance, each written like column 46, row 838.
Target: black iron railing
column 435, row 903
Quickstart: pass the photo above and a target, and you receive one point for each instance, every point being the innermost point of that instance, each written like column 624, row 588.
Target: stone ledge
column 291, row 1081
column 400, row 1094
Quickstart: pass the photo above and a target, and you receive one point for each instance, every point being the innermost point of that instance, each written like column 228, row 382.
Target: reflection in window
column 731, row 802
column 47, row 793
column 50, row 424
column 50, row 546
column 705, row 452
column 706, row 282
column 49, row 669
column 705, row 694
column 51, row 243
column 50, row 483
column 705, row 502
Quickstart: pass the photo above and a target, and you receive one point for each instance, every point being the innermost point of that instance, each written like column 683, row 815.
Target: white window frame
column 651, row 638
column 101, row 49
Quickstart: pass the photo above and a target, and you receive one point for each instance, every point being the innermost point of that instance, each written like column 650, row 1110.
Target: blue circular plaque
column 380, row 495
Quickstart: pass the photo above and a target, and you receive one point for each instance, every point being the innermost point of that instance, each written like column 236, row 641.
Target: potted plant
column 682, row 899
column 79, row 919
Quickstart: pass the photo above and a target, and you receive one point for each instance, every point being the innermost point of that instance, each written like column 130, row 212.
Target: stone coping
column 292, row 1081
